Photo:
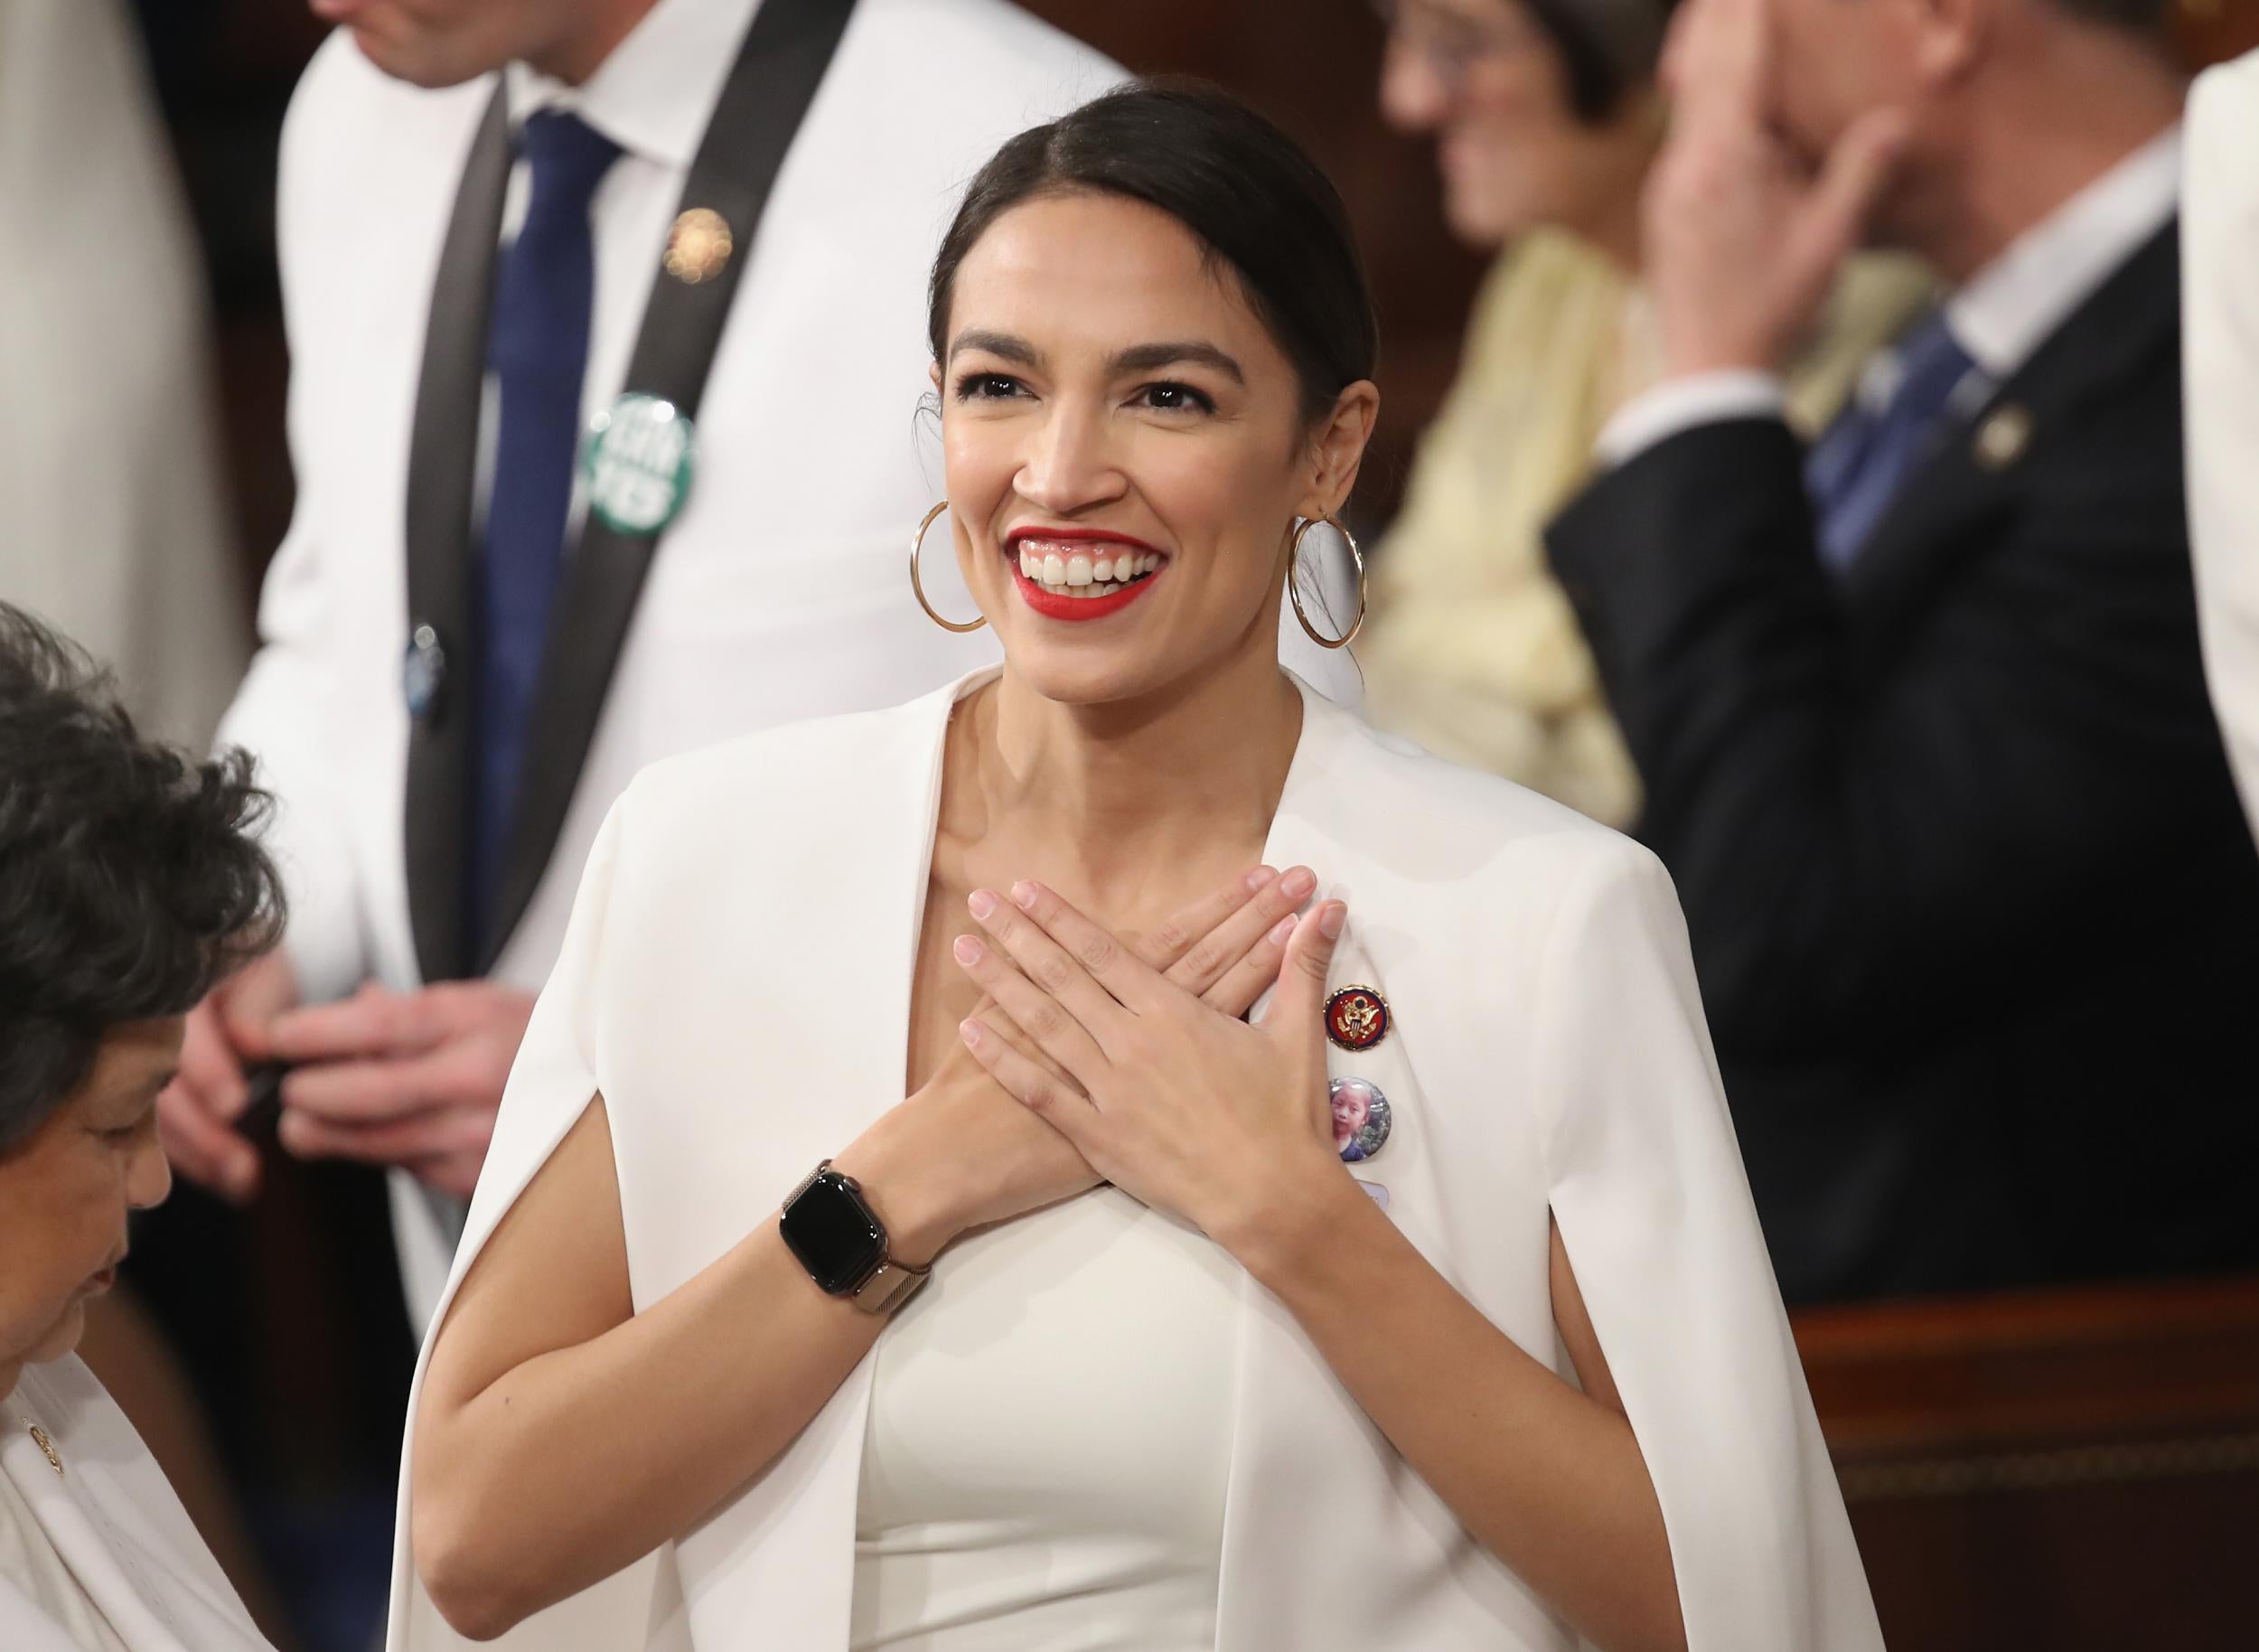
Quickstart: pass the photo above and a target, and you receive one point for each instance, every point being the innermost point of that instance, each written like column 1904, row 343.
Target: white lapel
column 783, row 1553
column 1313, row 1483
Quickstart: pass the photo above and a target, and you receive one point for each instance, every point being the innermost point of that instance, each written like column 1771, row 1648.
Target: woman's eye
column 1175, row 399
column 986, row 387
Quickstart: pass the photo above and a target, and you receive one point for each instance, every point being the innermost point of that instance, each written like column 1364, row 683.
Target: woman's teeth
column 1064, row 574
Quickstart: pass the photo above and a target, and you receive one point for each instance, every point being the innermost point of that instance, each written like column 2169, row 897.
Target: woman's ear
column 1337, row 449
column 1950, row 37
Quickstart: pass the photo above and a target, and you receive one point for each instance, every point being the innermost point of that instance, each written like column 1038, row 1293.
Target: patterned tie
column 1856, row 467
column 536, row 351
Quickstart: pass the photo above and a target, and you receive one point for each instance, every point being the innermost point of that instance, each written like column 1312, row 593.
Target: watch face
column 835, row 1236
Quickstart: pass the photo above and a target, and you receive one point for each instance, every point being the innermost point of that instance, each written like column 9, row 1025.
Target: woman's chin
column 1074, row 674
column 60, row 1339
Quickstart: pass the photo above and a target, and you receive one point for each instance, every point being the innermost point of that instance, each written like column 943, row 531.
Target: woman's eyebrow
column 1003, row 345
column 1146, row 358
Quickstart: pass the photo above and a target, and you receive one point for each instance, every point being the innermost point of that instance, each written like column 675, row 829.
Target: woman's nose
column 1413, row 96
column 148, row 1178
column 1071, row 464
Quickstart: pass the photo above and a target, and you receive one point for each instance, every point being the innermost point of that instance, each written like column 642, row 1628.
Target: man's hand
column 199, row 1110
column 410, row 1079
column 1743, row 237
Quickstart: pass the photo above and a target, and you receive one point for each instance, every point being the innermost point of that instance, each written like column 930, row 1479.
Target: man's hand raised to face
column 1744, row 238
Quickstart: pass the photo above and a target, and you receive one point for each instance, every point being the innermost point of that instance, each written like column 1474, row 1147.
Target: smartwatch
column 843, row 1244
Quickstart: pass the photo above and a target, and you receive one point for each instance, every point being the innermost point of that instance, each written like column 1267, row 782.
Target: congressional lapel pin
column 2002, row 439
column 638, row 461
column 699, row 246
column 423, row 672
column 47, row 1446
column 1361, row 1118
column 1356, row 1017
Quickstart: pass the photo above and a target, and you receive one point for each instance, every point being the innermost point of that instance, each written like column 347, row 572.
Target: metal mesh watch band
column 894, row 1283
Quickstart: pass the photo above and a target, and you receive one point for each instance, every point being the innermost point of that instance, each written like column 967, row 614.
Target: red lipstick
column 1080, row 607
column 1052, row 606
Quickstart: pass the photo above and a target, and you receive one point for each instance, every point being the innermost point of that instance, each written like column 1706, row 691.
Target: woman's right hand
column 960, row 1154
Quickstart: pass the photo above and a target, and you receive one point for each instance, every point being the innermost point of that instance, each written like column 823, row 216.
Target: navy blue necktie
column 536, row 351
column 1859, row 464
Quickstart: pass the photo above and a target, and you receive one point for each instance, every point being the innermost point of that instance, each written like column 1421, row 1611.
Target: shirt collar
column 656, row 93
column 2006, row 309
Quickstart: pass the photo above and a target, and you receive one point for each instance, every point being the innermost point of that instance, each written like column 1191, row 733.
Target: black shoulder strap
column 782, row 61
column 442, row 466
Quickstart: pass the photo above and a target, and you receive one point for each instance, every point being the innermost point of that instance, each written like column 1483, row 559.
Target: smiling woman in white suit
column 1185, row 1377
column 132, row 881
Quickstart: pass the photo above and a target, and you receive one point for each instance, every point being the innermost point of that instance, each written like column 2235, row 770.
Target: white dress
column 1044, row 1465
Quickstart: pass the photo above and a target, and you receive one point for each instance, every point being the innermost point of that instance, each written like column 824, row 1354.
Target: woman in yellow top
column 1546, row 116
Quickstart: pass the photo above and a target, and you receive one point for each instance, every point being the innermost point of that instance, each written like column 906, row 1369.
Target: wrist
column 918, row 1225
column 1701, row 358
column 1277, row 1231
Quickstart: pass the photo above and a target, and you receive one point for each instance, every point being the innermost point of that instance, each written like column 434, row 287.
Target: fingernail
column 969, row 1031
column 981, row 902
column 967, row 949
column 1256, row 880
column 1298, row 883
column 1279, row 931
column 1024, row 895
column 1330, row 921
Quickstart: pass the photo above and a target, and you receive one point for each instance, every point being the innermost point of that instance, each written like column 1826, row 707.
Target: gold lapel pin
column 699, row 246
column 2002, row 439
column 1357, row 1018
column 38, row 1438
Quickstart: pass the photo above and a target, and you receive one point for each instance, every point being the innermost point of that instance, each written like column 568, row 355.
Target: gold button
column 2002, row 439
column 699, row 246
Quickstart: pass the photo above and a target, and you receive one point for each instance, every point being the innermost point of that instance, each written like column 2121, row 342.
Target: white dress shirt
column 2001, row 315
column 2220, row 273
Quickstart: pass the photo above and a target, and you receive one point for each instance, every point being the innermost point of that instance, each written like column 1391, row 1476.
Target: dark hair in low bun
column 1245, row 189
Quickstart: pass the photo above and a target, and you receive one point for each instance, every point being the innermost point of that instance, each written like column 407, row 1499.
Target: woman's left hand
column 1224, row 1124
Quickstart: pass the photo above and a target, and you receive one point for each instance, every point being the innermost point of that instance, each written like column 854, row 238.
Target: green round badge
column 638, row 459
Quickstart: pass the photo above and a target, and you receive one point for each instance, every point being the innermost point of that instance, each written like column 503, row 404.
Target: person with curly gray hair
column 130, row 881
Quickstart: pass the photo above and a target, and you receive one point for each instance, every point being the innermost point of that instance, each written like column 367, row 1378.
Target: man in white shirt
column 1919, row 715
column 777, row 591
column 2220, row 281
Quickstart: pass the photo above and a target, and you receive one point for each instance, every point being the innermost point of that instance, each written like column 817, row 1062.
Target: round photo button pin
column 1361, row 1118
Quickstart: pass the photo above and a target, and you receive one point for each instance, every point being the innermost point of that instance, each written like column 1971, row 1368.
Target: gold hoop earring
column 917, row 586
column 1294, row 556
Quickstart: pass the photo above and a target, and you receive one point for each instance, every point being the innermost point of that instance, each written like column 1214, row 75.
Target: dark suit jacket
column 1975, row 913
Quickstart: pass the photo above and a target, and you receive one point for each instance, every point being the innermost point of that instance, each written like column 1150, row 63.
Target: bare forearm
column 580, row 1461
column 1549, row 1481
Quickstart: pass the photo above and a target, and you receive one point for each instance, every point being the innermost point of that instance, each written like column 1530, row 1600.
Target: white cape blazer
column 115, row 1521
column 735, row 982
column 2219, row 250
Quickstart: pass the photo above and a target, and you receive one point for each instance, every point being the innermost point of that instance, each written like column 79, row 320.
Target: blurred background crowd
column 2042, row 1388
